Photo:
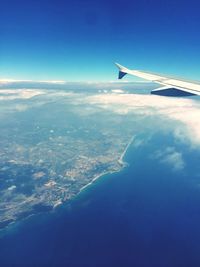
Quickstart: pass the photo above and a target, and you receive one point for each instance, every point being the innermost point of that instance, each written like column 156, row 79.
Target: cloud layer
column 12, row 94
column 184, row 112
column 181, row 110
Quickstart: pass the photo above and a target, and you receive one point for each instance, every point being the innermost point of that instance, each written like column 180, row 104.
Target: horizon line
column 7, row 81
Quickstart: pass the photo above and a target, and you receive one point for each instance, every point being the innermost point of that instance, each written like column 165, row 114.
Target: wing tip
column 122, row 70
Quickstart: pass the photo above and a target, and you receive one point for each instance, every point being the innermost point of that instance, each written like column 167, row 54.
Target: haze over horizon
column 80, row 40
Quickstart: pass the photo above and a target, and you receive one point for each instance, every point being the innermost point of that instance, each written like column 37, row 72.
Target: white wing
column 170, row 86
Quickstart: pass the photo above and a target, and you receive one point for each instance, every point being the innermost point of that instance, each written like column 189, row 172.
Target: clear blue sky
column 80, row 39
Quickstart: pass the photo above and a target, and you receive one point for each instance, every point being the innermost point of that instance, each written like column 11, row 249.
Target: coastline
column 121, row 161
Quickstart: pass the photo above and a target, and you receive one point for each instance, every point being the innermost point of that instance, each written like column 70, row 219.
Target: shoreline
column 120, row 160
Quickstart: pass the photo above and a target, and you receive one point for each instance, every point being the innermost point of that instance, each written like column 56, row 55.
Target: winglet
column 122, row 71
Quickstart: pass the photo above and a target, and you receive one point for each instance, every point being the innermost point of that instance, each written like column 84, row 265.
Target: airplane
column 170, row 86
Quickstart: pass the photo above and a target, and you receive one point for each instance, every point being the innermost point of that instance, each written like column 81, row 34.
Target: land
column 48, row 157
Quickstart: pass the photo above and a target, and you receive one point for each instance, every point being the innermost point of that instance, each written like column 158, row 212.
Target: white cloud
column 170, row 157
column 11, row 94
column 182, row 110
column 7, row 81
column 117, row 91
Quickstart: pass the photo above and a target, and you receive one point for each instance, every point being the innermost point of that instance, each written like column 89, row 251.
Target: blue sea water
column 145, row 215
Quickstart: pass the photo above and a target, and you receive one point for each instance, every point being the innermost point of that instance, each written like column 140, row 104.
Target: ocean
column 145, row 215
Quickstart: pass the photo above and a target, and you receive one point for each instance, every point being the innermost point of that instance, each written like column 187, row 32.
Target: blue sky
column 79, row 40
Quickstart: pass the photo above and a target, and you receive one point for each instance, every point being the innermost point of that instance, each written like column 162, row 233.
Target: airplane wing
column 170, row 86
